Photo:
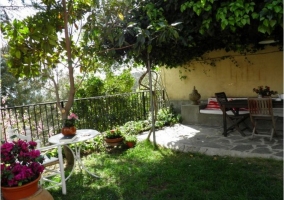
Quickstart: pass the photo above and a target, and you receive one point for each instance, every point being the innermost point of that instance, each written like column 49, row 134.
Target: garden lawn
column 144, row 173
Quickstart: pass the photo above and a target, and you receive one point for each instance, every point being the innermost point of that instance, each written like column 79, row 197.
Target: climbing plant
column 170, row 32
column 176, row 32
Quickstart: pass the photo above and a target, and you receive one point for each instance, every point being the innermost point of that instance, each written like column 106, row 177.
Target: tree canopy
column 118, row 31
column 112, row 84
column 178, row 31
column 46, row 41
column 85, row 35
column 19, row 91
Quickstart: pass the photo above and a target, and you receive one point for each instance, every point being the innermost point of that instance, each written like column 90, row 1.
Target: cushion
column 211, row 111
column 212, row 104
column 219, row 112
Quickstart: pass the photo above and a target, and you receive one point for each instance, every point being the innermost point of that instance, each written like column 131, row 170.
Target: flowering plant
column 70, row 121
column 264, row 91
column 130, row 138
column 114, row 133
column 21, row 163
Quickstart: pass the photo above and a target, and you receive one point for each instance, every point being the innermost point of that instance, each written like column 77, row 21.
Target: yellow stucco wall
column 264, row 67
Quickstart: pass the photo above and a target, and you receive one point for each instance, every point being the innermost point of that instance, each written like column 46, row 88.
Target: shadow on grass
column 143, row 173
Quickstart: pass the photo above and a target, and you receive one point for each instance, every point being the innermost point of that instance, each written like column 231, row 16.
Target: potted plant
column 21, row 168
column 69, row 125
column 113, row 137
column 263, row 91
column 130, row 140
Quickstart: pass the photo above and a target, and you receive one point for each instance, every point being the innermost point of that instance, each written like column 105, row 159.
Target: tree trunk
column 69, row 157
column 67, row 107
column 153, row 115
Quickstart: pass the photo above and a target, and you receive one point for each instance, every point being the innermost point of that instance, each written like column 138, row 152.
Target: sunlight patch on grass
column 147, row 173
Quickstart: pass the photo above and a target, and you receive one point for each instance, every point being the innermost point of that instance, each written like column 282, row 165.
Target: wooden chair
column 261, row 109
column 56, row 163
column 232, row 116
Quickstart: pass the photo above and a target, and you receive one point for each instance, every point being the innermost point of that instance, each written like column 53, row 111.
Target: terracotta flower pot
column 114, row 140
column 130, row 144
column 68, row 130
column 20, row 192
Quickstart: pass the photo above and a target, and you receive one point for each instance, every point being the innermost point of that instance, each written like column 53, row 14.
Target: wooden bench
column 213, row 107
column 210, row 114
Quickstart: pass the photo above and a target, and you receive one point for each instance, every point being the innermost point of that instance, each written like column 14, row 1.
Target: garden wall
column 237, row 79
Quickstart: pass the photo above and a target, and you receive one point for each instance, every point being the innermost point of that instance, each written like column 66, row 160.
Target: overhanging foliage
column 175, row 32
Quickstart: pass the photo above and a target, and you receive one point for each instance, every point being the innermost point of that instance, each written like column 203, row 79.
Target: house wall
column 264, row 67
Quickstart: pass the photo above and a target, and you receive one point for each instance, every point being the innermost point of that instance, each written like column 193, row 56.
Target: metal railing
column 100, row 113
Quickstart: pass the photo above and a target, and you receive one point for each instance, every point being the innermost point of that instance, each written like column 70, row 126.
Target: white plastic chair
column 49, row 161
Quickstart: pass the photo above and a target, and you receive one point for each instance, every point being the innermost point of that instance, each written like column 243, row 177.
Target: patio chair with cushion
column 261, row 109
column 235, row 118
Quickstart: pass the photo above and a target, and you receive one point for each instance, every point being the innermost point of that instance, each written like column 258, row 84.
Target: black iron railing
column 100, row 113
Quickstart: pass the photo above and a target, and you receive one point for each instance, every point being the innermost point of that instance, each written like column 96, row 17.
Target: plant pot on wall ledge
column 194, row 97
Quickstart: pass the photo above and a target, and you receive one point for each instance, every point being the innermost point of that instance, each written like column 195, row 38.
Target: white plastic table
column 82, row 135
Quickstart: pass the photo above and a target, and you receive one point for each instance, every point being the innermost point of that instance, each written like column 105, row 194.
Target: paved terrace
column 209, row 140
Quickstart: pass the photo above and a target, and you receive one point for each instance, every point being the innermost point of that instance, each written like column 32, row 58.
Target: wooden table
column 237, row 104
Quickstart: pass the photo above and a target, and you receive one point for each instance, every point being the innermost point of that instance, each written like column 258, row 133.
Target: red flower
column 21, row 163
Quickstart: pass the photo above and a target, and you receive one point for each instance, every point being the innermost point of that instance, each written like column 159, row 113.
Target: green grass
column 144, row 173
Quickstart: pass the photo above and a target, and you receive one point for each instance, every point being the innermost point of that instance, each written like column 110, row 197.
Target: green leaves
column 118, row 31
column 198, row 7
column 235, row 14
column 224, row 24
column 270, row 15
column 18, row 54
column 272, row 23
column 255, row 15
column 36, row 41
